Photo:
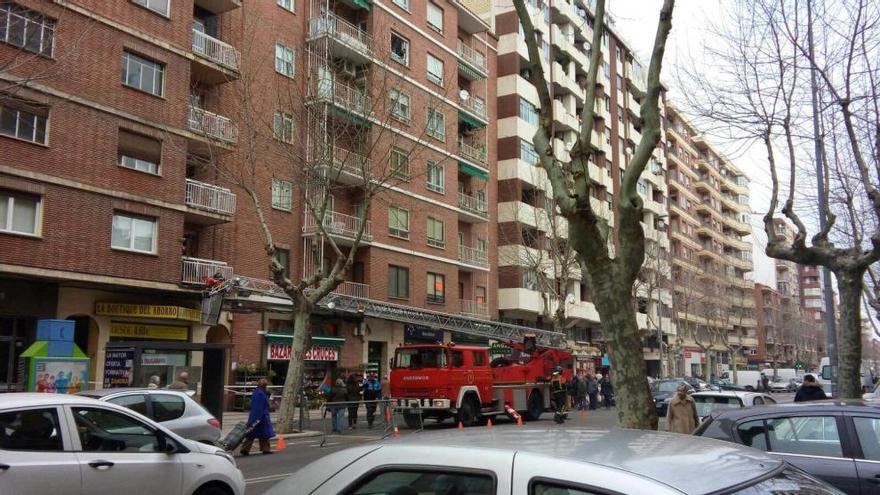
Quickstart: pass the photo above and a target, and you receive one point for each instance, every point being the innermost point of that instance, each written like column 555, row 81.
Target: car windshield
column 420, row 357
column 707, row 404
column 669, row 386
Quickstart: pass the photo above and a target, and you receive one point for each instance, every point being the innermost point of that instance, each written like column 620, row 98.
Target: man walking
column 581, row 391
column 607, row 390
column 810, row 390
column 593, row 391
column 557, row 394
column 372, row 392
column 681, row 415
column 259, row 414
column 182, row 382
column 353, row 397
column 336, row 397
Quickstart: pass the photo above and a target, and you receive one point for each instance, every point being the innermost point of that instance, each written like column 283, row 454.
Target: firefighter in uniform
column 557, row 393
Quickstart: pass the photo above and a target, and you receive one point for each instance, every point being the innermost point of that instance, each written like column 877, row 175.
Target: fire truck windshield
column 422, row 357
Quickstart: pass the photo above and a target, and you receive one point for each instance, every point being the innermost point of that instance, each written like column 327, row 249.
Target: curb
column 302, row 434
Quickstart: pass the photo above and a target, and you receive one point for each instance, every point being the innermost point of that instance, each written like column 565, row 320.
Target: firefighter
column 557, row 393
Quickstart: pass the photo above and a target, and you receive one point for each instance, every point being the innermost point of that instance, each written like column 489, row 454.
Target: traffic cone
column 396, row 432
column 519, row 421
column 583, row 412
column 460, row 425
column 489, row 423
column 279, row 444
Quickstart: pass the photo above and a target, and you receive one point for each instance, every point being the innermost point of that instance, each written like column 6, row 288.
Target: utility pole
column 827, row 293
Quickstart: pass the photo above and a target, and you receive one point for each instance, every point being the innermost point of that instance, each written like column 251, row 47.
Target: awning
column 364, row 4
column 317, row 340
column 469, row 73
column 469, row 120
column 472, row 171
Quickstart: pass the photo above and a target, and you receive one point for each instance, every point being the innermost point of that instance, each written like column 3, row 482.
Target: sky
column 636, row 22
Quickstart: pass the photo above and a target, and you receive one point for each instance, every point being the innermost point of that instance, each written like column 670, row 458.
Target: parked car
column 781, row 385
column 725, row 384
column 709, row 402
column 486, row 462
column 836, row 441
column 663, row 390
column 174, row 409
column 55, row 443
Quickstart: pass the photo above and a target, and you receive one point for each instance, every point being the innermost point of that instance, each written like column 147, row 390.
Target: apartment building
column 123, row 120
column 535, row 270
column 786, row 338
column 709, row 219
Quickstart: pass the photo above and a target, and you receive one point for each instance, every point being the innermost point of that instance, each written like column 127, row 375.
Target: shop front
column 321, row 361
column 22, row 303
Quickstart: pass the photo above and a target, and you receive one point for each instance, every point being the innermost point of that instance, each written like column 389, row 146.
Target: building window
column 398, row 282
column 400, row 107
column 19, row 213
column 143, row 74
column 436, row 237
column 399, row 49
column 282, row 256
column 398, row 222
column 24, row 122
column 399, row 164
column 642, row 188
column 282, row 195
column 435, row 17
column 284, row 60
column 527, row 152
column 404, row 4
column 436, row 177
column 282, row 127
column 139, row 152
column 435, row 70
column 26, row 29
column 529, row 279
column 158, row 6
column 135, row 233
column 528, row 112
column 287, row 5
column 436, row 288
column 480, row 295
column 436, row 124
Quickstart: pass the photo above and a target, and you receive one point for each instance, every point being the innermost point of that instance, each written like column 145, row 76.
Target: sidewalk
column 311, row 426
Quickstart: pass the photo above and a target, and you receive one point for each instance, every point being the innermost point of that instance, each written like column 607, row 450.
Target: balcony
column 349, row 41
column 471, row 64
column 473, row 204
column 475, row 105
column 475, row 152
column 338, row 225
column 353, row 289
column 194, row 271
column 472, row 256
column 468, row 20
column 209, row 198
column 216, row 51
column 218, row 6
column 211, row 125
column 345, row 167
column 474, row 308
column 350, row 98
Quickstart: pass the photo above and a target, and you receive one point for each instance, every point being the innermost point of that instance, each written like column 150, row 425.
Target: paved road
column 262, row 472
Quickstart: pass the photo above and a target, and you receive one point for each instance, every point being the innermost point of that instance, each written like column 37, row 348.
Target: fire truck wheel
column 412, row 421
column 535, row 406
column 467, row 413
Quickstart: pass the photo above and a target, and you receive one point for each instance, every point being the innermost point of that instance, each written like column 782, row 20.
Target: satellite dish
column 464, row 95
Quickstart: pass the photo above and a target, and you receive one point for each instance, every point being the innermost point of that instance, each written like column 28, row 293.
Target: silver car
column 174, row 409
column 545, row 462
column 709, row 402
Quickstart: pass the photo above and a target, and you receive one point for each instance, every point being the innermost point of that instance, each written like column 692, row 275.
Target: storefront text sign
column 147, row 311
column 143, row 331
column 117, row 368
column 281, row 352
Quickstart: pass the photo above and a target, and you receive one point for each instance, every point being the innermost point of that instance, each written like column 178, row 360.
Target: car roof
column 727, row 393
column 668, row 458
column 828, row 406
column 103, row 392
column 31, row 399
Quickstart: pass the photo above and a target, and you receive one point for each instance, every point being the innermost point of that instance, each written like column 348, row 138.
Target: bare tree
column 611, row 275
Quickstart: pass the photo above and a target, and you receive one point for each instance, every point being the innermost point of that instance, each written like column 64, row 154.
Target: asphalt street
column 263, row 471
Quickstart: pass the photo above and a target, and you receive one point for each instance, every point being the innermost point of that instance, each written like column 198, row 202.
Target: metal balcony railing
column 348, row 162
column 209, row 197
column 328, row 24
column 215, row 50
column 211, row 124
column 353, row 289
column 195, row 270
column 472, row 256
column 474, row 104
column 337, row 224
column 474, row 308
column 472, row 204
column 472, row 57
column 345, row 96
column 473, row 152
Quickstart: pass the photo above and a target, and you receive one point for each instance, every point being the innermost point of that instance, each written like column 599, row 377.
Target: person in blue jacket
column 259, row 412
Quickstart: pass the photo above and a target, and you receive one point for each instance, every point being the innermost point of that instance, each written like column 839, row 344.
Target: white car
column 709, row 402
column 53, row 443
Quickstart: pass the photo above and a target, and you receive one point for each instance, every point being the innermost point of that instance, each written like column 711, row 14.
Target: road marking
column 264, row 479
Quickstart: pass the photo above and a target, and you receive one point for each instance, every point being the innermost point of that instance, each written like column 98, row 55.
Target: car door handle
column 4, row 467
column 101, row 464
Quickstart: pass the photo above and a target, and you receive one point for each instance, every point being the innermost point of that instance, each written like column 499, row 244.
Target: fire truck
column 447, row 380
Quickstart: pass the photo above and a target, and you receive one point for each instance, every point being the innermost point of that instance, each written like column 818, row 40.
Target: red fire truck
column 446, row 380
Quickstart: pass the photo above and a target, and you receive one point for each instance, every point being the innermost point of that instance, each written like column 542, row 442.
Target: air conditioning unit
column 349, row 68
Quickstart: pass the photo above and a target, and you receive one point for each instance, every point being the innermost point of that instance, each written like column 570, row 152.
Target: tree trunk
column 733, row 365
column 293, row 380
column 849, row 334
column 629, row 373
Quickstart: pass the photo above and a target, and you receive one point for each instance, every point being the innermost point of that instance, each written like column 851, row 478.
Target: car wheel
column 412, row 421
column 750, row 388
column 214, row 489
column 535, row 406
column 467, row 413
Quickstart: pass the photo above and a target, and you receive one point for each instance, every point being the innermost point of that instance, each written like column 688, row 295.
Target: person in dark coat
column 810, row 390
column 593, row 391
column 259, row 412
column 372, row 392
column 353, row 394
column 336, row 394
column 557, row 395
column 607, row 390
column 581, row 391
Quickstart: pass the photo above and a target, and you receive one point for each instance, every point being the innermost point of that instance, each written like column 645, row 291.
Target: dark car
column 663, row 390
column 699, row 384
column 833, row 440
column 727, row 385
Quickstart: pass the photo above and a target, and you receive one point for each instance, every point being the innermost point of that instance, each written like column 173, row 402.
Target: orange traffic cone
column 489, row 423
column 519, row 421
column 460, row 425
column 279, row 444
column 583, row 412
column 396, row 433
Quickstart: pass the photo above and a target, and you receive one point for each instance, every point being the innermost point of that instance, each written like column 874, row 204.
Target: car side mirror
column 169, row 445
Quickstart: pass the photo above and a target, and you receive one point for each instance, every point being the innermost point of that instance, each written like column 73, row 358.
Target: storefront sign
column 117, row 368
column 421, row 333
column 281, row 352
column 143, row 331
column 147, row 311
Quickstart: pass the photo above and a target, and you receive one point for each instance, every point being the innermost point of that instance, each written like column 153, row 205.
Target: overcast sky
column 636, row 21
